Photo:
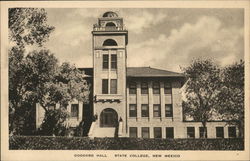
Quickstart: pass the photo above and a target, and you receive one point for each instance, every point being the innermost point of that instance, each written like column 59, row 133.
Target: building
column 132, row 101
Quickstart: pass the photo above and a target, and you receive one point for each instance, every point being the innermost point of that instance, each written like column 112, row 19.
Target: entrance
column 108, row 118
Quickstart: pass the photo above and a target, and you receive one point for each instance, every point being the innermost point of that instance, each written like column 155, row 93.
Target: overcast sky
column 161, row 38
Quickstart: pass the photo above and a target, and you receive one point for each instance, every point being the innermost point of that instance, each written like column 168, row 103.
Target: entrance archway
column 108, row 118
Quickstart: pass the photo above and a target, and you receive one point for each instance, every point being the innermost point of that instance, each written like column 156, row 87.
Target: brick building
column 132, row 101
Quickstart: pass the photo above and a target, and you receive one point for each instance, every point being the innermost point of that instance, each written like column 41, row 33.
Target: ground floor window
column 157, row 132
column 169, row 132
column 203, row 132
column 219, row 132
column 133, row 132
column 145, row 132
column 231, row 132
column 190, row 132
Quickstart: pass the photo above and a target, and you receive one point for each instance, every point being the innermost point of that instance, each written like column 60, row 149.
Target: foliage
column 84, row 143
column 232, row 94
column 202, row 90
column 27, row 26
column 53, row 123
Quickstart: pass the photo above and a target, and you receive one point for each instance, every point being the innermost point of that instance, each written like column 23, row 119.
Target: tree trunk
column 205, row 129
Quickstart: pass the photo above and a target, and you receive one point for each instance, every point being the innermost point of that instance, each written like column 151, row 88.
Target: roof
column 142, row 72
column 150, row 72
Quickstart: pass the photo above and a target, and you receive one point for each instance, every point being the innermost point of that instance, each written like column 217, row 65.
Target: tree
column 232, row 94
column 27, row 26
column 202, row 90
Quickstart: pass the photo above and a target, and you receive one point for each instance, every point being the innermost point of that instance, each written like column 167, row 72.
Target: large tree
column 232, row 95
column 202, row 90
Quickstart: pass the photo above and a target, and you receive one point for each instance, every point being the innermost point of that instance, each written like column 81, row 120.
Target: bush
column 85, row 143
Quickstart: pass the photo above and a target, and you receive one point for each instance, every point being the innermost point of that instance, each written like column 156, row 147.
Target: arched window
column 109, row 42
column 110, row 24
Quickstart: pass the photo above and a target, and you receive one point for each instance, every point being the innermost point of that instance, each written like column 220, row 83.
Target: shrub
column 85, row 143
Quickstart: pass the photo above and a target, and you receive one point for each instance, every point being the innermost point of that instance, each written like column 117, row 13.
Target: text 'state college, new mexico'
column 126, row 101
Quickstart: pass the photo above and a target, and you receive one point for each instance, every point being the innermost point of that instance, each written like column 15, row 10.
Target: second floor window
column 132, row 88
column 105, row 61
column 113, row 86
column 144, row 88
column 156, row 88
column 105, row 83
column 113, row 61
column 157, row 110
column 168, row 110
column 74, row 110
column 144, row 110
column 132, row 110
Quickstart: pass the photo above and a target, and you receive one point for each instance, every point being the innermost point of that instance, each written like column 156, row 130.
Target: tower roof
column 110, row 14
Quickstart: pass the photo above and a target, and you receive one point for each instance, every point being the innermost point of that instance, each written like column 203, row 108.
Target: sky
column 164, row 38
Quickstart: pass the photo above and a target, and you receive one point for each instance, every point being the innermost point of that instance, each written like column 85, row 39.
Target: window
column 144, row 88
column 144, row 110
column 168, row 110
column 113, row 86
column 231, row 132
column 157, row 110
column 157, row 132
column 105, row 86
column 169, row 132
column 145, row 132
column 156, row 88
column 132, row 88
column 133, row 132
column 190, row 132
column 167, row 88
column 74, row 110
column 219, row 132
column 132, row 110
column 109, row 42
column 105, row 61
column 113, row 61
column 202, row 131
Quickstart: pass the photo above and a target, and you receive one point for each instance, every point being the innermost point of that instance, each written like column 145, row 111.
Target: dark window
column 219, row 132
column 167, row 88
column 109, row 42
column 74, row 110
column 110, row 24
column 169, row 132
column 113, row 61
column 168, row 110
column 231, row 132
column 190, row 132
column 202, row 131
column 157, row 110
column 105, row 61
column 132, row 88
column 144, row 88
column 105, row 86
column 132, row 110
column 156, row 88
column 157, row 132
column 133, row 132
column 145, row 132
column 113, row 86
column 144, row 110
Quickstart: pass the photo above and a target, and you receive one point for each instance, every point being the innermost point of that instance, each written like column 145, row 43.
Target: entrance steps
column 96, row 131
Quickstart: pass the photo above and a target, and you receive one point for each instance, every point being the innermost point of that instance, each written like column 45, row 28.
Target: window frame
column 202, row 131
column 132, row 90
column 74, row 114
column 170, row 135
column 158, row 110
column 168, row 88
column 157, row 130
column 105, row 62
column 113, row 62
column 170, row 112
column 230, row 132
column 156, row 88
column 219, row 134
column 147, row 111
column 113, row 86
column 192, row 132
column 144, row 89
column 135, row 132
column 147, row 130
column 105, row 86
column 133, row 113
